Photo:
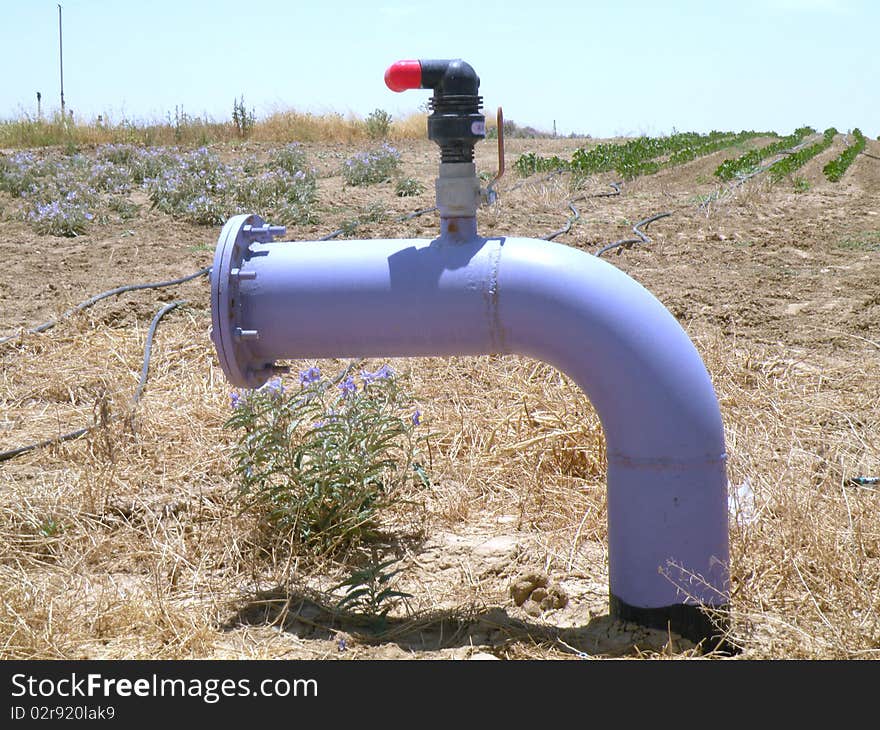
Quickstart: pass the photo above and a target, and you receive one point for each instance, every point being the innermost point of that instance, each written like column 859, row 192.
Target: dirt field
column 127, row 543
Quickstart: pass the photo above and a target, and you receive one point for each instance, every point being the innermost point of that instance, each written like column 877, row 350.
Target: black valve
column 455, row 123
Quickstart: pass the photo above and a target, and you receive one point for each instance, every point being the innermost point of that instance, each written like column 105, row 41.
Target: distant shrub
column 512, row 130
column 378, row 124
column 291, row 158
column 66, row 214
column 197, row 188
column 242, row 119
column 367, row 168
column 283, row 196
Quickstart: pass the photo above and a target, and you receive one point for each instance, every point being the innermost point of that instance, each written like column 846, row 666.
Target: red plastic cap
column 404, row 75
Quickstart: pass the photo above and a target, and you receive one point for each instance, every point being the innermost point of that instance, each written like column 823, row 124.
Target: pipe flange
column 231, row 340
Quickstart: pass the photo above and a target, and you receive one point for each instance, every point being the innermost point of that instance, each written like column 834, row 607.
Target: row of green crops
column 834, row 170
column 748, row 162
column 709, row 145
column 530, row 164
column 796, row 160
column 640, row 156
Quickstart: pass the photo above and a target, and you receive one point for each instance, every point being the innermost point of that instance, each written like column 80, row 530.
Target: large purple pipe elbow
column 467, row 295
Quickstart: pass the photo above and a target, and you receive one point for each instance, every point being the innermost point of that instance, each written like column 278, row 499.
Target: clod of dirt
column 555, row 598
column 532, row 608
column 535, row 594
column 539, row 594
column 522, row 587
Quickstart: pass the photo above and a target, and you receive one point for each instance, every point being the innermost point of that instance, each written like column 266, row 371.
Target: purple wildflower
column 382, row 373
column 273, row 387
column 347, row 387
column 235, row 399
column 306, row 377
column 416, row 418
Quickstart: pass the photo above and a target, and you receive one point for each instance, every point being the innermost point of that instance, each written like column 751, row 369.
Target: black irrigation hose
column 12, row 453
column 615, row 185
column 577, row 215
column 103, row 295
column 629, row 242
column 567, row 227
column 862, row 481
column 149, row 346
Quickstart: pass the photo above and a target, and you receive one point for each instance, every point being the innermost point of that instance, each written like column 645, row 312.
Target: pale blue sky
column 603, row 69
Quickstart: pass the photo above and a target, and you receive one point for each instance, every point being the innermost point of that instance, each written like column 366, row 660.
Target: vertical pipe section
column 667, row 486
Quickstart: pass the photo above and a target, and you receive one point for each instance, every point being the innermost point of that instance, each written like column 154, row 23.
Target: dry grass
column 123, row 545
column 128, row 543
column 280, row 126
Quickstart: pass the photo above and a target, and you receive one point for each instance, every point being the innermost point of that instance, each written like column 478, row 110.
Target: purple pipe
column 461, row 294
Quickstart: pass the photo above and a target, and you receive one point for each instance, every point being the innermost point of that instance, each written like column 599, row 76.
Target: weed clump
column 375, row 166
column 321, row 461
column 408, row 187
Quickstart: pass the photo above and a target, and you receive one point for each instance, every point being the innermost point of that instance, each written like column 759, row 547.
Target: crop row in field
column 798, row 159
column 748, row 162
column 641, row 156
column 835, row 169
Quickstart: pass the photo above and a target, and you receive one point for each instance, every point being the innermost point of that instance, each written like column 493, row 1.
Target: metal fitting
column 458, row 190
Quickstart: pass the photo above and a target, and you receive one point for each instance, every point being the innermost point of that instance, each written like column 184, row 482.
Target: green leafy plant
column 378, row 124
column 864, row 241
column 530, row 164
column 370, row 590
column 408, row 187
column 50, row 527
column 321, row 462
column 801, row 184
column 123, row 206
